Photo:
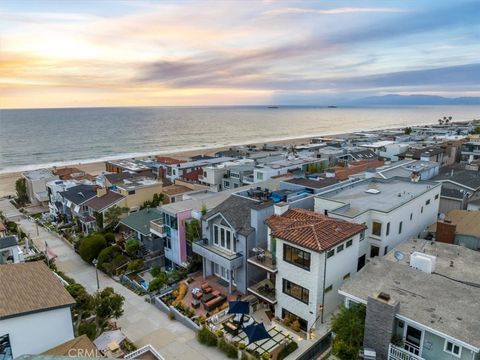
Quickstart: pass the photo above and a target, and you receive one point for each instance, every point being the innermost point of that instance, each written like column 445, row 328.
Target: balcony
column 157, row 228
column 227, row 259
column 264, row 259
column 398, row 353
column 265, row 290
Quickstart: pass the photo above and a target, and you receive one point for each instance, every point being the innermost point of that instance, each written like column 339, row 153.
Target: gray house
column 230, row 231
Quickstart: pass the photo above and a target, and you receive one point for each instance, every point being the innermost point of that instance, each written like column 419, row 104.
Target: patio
column 218, row 287
column 279, row 335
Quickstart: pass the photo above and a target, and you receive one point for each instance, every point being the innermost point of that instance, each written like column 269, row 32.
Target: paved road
column 141, row 322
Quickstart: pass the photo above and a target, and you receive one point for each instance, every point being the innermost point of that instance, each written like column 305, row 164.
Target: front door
column 361, row 262
column 413, row 340
column 374, row 251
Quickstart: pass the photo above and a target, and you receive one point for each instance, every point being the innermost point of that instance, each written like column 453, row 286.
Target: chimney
column 280, row 208
column 446, row 232
column 101, row 191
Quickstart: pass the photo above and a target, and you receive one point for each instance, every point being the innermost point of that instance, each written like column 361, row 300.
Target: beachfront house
column 307, row 258
column 74, row 208
column 420, row 302
column 36, row 182
column 394, row 210
column 35, row 310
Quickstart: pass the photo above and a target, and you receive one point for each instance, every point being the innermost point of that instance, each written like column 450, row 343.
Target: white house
column 313, row 254
column 35, row 310
column 394, row 210
column 36, row 181
column 9, row 250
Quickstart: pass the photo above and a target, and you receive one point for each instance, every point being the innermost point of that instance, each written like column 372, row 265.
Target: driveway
column 142, row 322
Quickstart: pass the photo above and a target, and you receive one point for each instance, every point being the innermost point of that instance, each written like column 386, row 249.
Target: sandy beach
column 7, row 180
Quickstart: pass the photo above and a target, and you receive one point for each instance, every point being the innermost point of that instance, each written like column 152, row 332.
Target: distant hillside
column 415, row 100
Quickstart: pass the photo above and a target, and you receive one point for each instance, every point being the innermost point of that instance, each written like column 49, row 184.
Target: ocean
column 32, row 138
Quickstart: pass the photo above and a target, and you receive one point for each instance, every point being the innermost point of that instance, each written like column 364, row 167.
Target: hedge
column 206, row 337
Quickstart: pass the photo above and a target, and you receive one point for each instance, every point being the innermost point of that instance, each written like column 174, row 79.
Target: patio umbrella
column 256, row 332
column 238, row 307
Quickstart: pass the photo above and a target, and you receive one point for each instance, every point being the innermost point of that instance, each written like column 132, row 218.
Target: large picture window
column 223, row 237
column 296, row 256
column 296, row 291
column 293, row 317
column 376, row 228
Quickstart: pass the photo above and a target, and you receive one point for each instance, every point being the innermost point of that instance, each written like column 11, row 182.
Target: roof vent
column 384, row 296
column 372, row 191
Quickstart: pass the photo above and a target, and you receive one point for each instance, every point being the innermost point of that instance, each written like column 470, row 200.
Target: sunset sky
column 129, row 53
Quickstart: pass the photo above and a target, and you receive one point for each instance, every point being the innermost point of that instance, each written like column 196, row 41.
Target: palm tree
column 292, row 150
column 440, row 121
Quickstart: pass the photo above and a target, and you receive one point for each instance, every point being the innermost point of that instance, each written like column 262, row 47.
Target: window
column 400, row 227
column 436, row 197
column 204, row 174
column 227, row 184
column 452, row 348
column 292, row 316
column 131, row 192
column 362, row 235
column 388, row 229
column 295, row 291
column 421, row 210
column 235, row 186
column 339, row 248
column 411, row 216
column 223, row 238
column 168, row 243
column 376, row 228
column 427, row 202
column 349, row 243
column 259, row 176
column 385, row 251
column 328, row 289
column 330, row 253
column 296, row 256
column 346, row 276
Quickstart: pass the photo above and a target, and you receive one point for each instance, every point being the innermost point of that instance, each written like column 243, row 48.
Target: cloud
column 334, row 11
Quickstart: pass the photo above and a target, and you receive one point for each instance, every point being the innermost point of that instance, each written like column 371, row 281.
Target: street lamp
column 95, row 262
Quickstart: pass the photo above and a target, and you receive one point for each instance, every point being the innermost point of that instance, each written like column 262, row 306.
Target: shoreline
column 95, row 167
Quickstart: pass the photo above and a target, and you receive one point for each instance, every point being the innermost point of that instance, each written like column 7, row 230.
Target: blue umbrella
column 238, row 307
column 256, row 332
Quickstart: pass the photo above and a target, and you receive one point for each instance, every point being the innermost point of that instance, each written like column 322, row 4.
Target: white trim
column 354, row 298
column 453, row 345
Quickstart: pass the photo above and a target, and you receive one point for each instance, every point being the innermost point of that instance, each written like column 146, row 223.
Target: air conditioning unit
column 423, row 262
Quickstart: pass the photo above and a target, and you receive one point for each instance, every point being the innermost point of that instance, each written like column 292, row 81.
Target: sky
column 187, row 53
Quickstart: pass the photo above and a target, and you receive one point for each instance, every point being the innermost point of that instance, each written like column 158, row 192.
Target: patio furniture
column 207, row 297
column 195, row 304
column 206, row 288
column 216, row 292
column 198, row 295
column 231, row 328
column 214, row 303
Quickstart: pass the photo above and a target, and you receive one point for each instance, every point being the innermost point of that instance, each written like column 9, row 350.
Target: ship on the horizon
column 332, row 106
column 273, row 107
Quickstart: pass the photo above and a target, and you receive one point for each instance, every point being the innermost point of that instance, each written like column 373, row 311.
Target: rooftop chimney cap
column 383, row 296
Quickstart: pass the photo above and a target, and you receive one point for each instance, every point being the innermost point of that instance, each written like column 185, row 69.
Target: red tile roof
column 355, row 167
column 168, row 160
column 193, row 175
column 312, row 230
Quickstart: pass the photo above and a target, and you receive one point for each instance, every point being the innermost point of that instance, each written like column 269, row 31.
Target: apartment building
column 394, row 210
column 307, row 258
column 420, row 302
column 179, row 170
column 137, row 190
column 221, row 176
column 268, row 170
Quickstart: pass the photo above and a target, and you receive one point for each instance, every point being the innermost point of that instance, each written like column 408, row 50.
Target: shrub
column 158, row 282
column 219, row 333
column 155, row 271
column 91, row 246
column 134, row 265
column 229, row 349
column 242, row 346
column 89, row 329
column 132, row 246
column 247, row 356
column 182, row 291
column 171, row 315
column 265, row 356
column 287, row 350
column 206, row 337
column 107, row 255
column 109, row 238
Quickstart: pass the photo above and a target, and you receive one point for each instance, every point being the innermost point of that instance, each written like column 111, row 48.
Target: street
column 142, row 323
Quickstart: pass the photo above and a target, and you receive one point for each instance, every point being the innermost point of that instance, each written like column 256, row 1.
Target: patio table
column 207, row 297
